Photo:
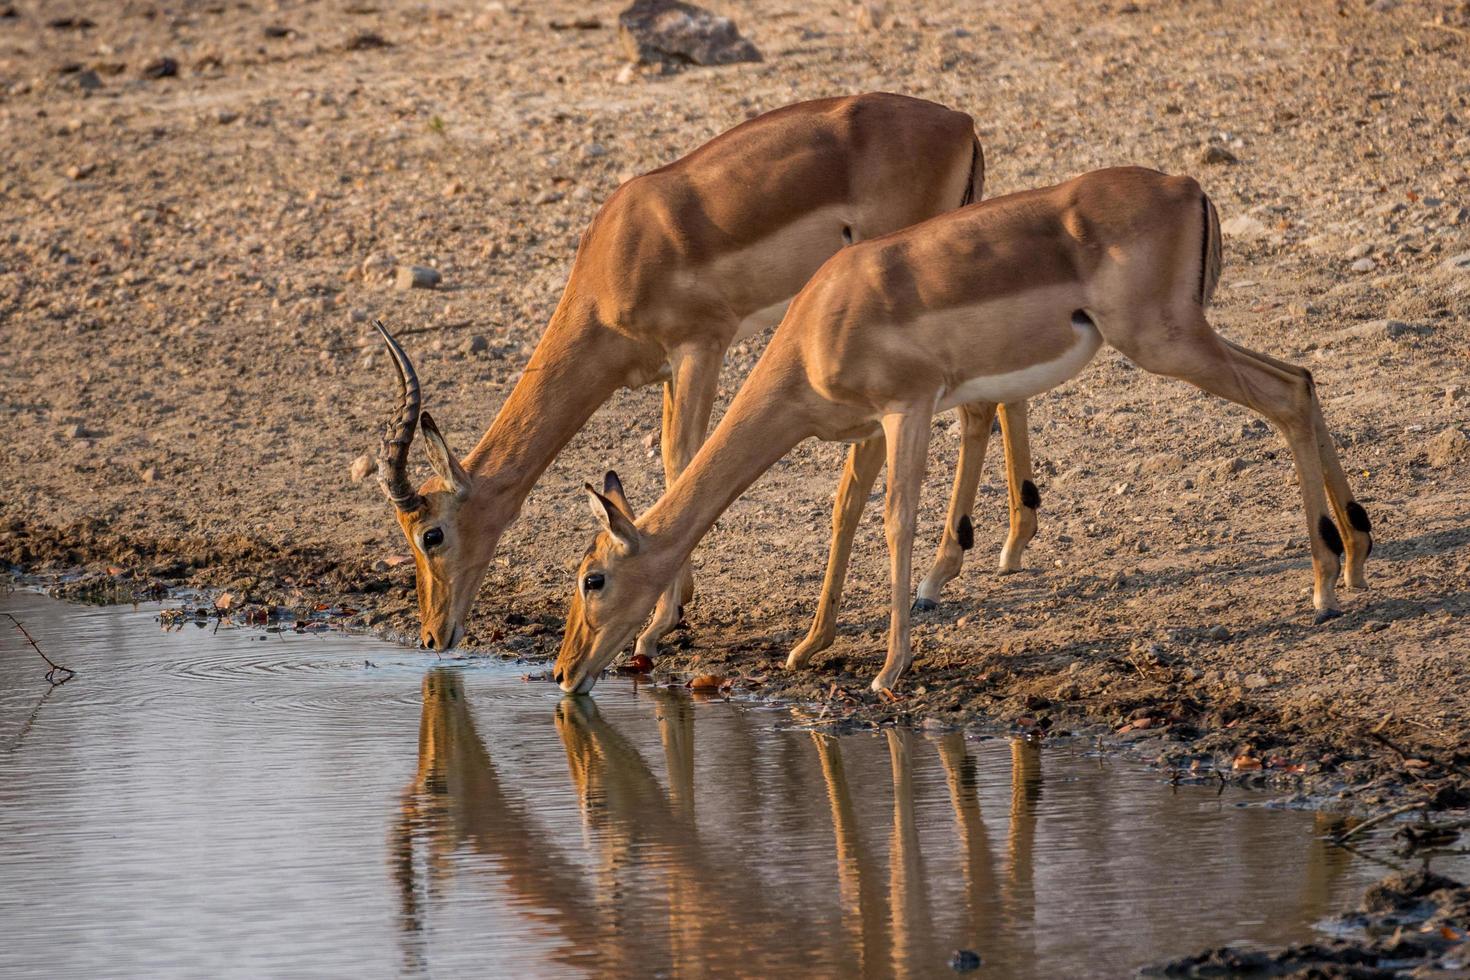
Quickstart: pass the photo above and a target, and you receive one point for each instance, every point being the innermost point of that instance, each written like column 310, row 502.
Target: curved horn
column 398, row 435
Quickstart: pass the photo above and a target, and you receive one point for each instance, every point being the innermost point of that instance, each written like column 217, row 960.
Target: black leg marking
column 1358, row 518
column 964, row 532
column 1330, row 537
column 846, row 235
column 1030, row 496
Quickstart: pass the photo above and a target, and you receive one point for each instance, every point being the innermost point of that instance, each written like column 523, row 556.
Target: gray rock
column 416, row 277
column 1457, row 263
column 1214, row 153
column 1363, row 265
column 1389, row 329
column 1219, row 633
column 161, row 68
column 1359, row 250
column 87, row 81
column 475, row 345
column 593, row 150
column 669, row 32
column 547, row 197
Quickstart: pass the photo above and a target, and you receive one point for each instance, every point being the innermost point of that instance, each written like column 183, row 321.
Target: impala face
column 613, row 594
column 450, row 560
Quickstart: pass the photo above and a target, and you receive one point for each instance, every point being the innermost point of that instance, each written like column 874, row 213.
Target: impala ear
column 442, row 459
column 612, row 489
column 616, row 523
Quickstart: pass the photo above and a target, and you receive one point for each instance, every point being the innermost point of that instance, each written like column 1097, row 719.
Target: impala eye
column 592, row 582
column 433, row 538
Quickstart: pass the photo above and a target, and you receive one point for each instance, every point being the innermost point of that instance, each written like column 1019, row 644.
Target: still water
column 250, row 804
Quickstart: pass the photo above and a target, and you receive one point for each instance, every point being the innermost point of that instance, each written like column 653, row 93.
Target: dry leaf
column 707, row 682
column 1245, row 763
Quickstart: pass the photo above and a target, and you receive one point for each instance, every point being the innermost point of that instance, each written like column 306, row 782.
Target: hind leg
column 1184, row 346
column 1351, row 517
column 1021, row 492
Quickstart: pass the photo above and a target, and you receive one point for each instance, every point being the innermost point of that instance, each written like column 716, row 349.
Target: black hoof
column 1325, row 615
column 925, row 605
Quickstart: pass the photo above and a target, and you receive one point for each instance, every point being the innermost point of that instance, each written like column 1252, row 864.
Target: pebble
column 1214, row 153
column 1448, row 448
column 475, row 345
column 1363, row 265
column 1455, row 393
column 1256, row 681
column 161, row 68
column 548, row 197
column 149, row 474
column 1244, row 226
column 416, row 277
column 1359, row 250
column 593, row 150
column 1218, row 633
column 361, row 467
column 964, row 960
column 1457, row 263
column 87, row 81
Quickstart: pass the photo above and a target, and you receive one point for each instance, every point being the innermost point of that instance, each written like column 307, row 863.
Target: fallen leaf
column 1245, row 763
column 707, row 682
column 225, row 601
column 639, row 663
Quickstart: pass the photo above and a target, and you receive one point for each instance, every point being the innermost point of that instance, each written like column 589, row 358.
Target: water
column 252, row 804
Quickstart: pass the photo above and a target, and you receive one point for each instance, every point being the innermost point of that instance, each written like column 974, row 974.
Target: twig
column 1404, row 753
column 56, row 669
column 1445, row 27
column 1375, row 821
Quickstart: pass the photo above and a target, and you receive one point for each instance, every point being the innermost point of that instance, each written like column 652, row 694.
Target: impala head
column 614, row 592
column 450, row 554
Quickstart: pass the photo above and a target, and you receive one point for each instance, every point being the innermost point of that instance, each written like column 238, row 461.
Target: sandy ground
column 186, row 372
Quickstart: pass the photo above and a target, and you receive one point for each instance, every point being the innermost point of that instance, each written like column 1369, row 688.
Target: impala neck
column 760, row 427
column 575, row 368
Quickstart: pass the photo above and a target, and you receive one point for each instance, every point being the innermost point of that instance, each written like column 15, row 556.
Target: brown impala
column 997, row 302
column 678, row 265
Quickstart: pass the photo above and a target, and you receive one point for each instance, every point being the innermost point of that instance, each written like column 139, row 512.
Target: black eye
column 433, row 537
column 592, row 582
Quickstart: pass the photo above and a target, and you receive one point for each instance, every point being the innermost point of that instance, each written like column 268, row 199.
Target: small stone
column 672, row 33
column 161, row 68
column 75, row 432
column 1363, row 265
column 1448, row 448
column 361, row 467
column 627, row 75
column 453, row 188
column 1218, row 633
column 475, row 345
column 548, row 197
column 872, row 15
column 149, row 474
column 1214, row 153
column 964, row 960
column 1244, row 226
column 377, row 267
column 1454, row 394
column 226, row 116
column 1359, row 250
column 416, row 277
column 87, row 81
column 593, row 150
column 1389, row 329
column 1457, row 263
column 1256, row 681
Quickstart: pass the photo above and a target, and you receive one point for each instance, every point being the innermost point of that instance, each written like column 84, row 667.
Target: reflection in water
column 696, row 906
column 199, row 805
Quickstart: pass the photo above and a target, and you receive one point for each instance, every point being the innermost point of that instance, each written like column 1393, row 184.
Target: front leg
column 689, row 397
column 1021, row 492
column 863, row 462
column 907, row 434
column 959, row 531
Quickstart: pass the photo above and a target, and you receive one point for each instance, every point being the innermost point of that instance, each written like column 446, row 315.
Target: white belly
column 1030, row 381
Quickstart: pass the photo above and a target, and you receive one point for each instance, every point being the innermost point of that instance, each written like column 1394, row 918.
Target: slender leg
column 959, row 532
column 1352, row 519
column 1283, row 395
column 864, row 460
column 1021, row 491
column 907, row 434
column 687, row 408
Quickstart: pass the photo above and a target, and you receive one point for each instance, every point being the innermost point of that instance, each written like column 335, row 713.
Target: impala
column 997, row 302
column 678, row 265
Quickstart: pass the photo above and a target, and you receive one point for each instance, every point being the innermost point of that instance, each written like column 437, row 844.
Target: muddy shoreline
column 1146, row 702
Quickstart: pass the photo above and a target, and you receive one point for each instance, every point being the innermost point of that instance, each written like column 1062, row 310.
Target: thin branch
column 1375, row 821
column 56, row 670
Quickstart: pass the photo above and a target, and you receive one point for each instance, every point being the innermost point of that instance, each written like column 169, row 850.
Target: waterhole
column 237, row 803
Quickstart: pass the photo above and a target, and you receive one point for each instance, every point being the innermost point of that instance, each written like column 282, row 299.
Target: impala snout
column 441, row 638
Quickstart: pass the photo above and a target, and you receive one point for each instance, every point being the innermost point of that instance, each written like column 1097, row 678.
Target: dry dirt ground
column 186, row 371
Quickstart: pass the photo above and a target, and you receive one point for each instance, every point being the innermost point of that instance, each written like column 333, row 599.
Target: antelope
column 676, row 266
column 996, row 302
